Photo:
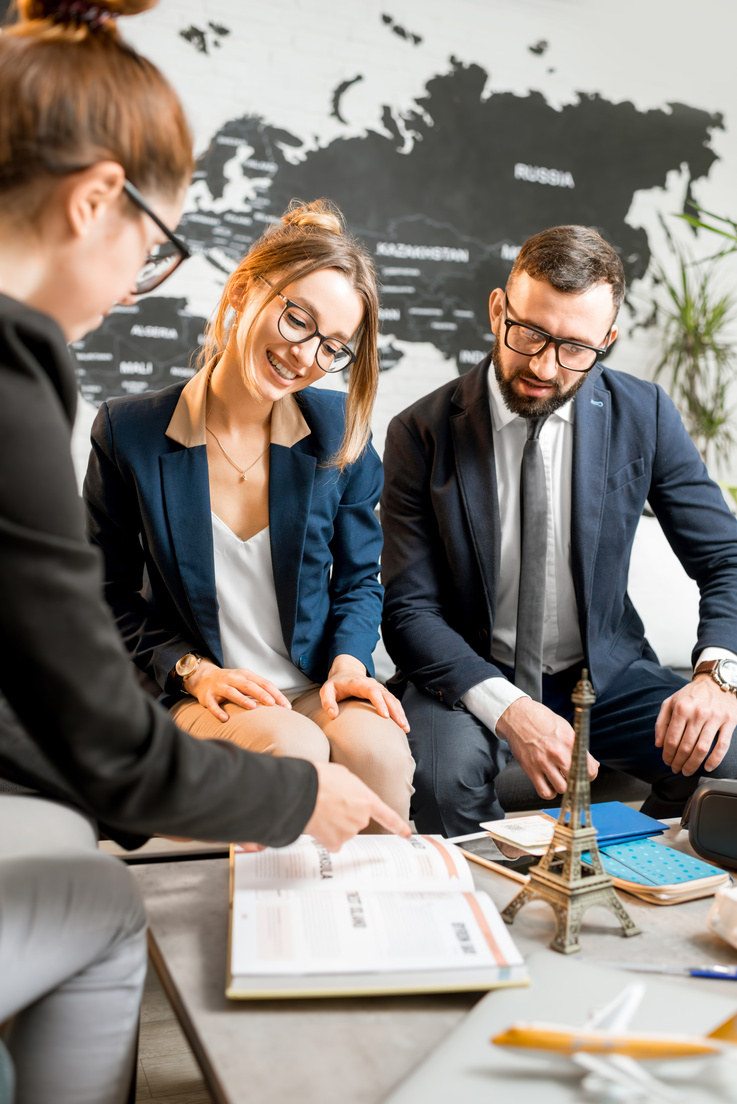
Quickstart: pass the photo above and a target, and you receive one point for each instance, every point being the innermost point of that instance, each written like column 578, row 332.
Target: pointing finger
column 387, row 818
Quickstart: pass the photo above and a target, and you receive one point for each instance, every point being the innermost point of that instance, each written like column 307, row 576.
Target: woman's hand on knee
column 212, row 685
column 344, row 806
column 349, row 680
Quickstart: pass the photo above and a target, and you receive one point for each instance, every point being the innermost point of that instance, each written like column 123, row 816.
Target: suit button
column 302, row 662
column 483, row 634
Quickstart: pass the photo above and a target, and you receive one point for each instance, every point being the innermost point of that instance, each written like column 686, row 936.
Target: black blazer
column 440, row 516
column 74, row 703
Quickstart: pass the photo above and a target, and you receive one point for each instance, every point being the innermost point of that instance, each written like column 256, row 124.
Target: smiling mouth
column 279, row 368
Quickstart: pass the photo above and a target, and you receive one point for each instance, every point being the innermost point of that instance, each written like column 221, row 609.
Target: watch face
column 728, row 671
column 186, row 665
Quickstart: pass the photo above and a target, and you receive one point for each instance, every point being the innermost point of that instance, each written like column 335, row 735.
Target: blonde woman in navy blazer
column 247, row 463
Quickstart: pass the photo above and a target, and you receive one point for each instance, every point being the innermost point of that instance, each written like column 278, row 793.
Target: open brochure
column 382, row 915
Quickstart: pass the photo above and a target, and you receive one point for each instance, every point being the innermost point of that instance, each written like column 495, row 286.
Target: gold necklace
column 241, row 471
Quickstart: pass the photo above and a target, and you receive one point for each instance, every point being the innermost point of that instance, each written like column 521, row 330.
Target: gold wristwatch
column 187, row 665
column 723, row 671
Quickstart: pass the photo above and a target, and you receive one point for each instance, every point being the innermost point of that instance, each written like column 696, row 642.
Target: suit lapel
column 186, row 490
column 591, row 431
column 291, row 480
column 473, row 444
column 186, row 493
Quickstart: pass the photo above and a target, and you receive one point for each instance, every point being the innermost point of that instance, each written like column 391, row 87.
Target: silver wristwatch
column 723, row 671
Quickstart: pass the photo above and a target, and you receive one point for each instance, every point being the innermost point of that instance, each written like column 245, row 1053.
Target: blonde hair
column 73, row 93
column 308, row 237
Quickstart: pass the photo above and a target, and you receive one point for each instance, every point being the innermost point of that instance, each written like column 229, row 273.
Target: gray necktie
column 528, row 669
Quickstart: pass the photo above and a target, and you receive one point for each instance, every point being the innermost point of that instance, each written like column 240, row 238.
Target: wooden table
column 353, row 1051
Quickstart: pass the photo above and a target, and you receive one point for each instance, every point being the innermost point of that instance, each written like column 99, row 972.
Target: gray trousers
column 458, row 758
column 72, row 957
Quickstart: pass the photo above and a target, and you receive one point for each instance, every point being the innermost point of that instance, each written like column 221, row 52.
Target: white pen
column 728, row 973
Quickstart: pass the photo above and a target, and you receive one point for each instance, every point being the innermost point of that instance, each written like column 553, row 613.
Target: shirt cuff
column 706, row 656
column 487, row 700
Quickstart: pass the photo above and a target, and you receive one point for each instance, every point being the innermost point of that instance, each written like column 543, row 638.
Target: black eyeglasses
column 574, row 356
column 163, row 259
column 297, row 325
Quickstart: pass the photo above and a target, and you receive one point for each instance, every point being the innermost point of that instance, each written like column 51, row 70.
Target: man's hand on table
column 542, row 744
column 690, row 720
column 344, row 806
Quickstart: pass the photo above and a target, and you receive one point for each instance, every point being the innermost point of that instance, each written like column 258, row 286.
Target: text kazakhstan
column 422, row 252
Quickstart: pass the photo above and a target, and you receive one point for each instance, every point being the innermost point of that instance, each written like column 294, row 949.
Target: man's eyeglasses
column 530, row 341
column 163, row 259
column 297, row 325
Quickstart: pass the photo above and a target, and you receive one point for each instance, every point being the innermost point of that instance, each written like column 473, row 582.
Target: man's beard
column 523, row 405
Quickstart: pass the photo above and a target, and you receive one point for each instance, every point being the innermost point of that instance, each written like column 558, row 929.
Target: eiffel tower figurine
column 561, row 878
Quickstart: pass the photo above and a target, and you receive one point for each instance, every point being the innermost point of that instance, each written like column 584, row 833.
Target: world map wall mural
column 447, row 134
column 442, row 216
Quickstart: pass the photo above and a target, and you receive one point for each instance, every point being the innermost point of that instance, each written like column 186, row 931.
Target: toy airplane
column 608, row 1052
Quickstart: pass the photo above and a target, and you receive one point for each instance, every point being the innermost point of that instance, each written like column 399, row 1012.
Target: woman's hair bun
column 73, row 93
column 78, row 11
column 321, row 213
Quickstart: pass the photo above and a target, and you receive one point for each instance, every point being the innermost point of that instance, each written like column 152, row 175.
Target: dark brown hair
column 308, row 237
column 572, row 259
column 73, row 93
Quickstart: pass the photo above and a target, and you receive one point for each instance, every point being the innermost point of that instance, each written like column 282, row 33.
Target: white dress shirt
column 561, row 636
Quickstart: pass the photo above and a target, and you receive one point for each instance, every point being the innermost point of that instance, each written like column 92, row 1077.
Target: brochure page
column 288, row 932
column 381, row 863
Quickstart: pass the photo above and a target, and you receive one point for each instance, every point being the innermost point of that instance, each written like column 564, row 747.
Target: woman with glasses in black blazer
column 95, row 158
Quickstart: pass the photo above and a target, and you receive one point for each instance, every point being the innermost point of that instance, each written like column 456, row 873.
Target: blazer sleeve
column 698, row 525
column 63, row 667
column 355, row 591
column 417, row 633
column 152, row 634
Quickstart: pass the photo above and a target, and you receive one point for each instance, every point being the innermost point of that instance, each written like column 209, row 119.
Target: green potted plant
column 696, row 352
column 717, row 224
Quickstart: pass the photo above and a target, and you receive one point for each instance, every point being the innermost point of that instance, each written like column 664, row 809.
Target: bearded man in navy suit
column 606, row 443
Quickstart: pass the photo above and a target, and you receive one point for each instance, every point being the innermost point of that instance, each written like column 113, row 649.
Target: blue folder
column 617, row 823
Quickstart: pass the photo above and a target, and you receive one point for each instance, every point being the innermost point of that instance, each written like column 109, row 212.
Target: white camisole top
column 250, row 629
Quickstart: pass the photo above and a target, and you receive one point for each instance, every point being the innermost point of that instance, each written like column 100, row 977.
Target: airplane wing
column 617, row 1069
column 627, row 1074
column 616, row 1015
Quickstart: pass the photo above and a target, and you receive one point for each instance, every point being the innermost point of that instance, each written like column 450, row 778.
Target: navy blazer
column 148, row 509
column 440, row 516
